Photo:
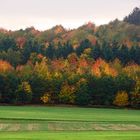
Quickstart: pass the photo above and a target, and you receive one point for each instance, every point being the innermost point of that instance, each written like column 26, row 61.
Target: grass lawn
column 105, row 135
column 71, row 114
column 65, row 123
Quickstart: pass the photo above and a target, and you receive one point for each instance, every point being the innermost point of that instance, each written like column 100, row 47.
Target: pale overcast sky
column 43, row 14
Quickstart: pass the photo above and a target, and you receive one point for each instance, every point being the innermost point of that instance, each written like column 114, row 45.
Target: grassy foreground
column 64, row 123
column 107, row 135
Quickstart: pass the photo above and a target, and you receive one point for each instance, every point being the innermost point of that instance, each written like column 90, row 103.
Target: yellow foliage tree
column 67, row 93
column 26, row 87
column 45, row 98
column 42, row 69
column 121, row 99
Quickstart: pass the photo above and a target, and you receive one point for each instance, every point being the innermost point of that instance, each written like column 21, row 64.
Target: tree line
column 75, row 80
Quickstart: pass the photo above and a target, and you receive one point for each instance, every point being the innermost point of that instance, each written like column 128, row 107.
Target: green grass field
column 61, row 123
column 111, row 135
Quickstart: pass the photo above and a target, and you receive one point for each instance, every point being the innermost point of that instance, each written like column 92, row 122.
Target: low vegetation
column 58, row 123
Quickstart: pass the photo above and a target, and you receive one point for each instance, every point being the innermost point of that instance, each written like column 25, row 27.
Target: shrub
column 45, row 98
column 121, row 99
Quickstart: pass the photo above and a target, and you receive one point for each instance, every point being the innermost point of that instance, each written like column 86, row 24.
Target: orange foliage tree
column 100, row 67
column 5, row 66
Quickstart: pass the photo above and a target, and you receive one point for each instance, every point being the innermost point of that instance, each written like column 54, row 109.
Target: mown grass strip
column 24, row 125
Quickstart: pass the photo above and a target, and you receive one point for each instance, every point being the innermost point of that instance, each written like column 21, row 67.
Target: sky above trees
column 43, row 14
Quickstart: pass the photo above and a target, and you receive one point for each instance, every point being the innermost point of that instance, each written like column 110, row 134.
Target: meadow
column 71, row 123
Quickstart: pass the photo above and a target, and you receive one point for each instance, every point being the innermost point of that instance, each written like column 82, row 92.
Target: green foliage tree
column 134, row 17
column 83, row 45
column 82, row 93
column 24, row 93
column 102, row 90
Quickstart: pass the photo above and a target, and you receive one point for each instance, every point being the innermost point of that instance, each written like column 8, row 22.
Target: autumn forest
column 88, row 66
